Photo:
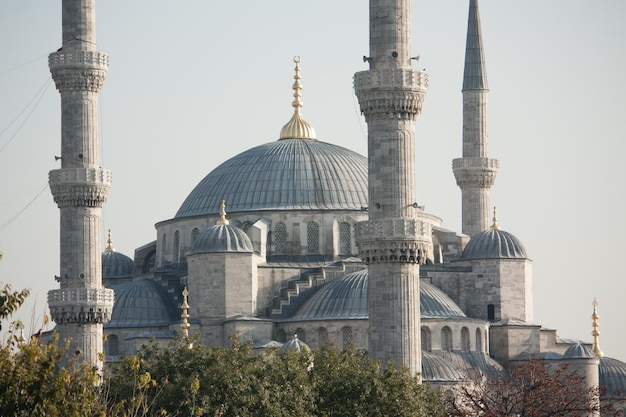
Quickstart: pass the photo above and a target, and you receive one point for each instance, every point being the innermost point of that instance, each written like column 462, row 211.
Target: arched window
column 163, row 246
column 479, row 341
column 280, row 238
column 465, row 339
column 281, row 336
column 194, row 234
column 491, row 312
column 446, row 339
column 112, row 346
column 345, row 239
column 176, row 247
column 301, row 334
column 312, row 238
column 346, row 337
column 426, row 339
column 322, row 336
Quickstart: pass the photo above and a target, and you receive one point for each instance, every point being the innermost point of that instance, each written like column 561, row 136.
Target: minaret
column 395, row 240
column 595, row 332
column 475, row 172
column 80, row 186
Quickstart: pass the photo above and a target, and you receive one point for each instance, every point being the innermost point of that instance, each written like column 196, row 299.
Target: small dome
column 222, row 238
column 494, row 244
column 295, row 344
column 116, row 265
column 613, row 376
column 142, row 304
column 437, row 369
column 346, row 298
column 578, row 351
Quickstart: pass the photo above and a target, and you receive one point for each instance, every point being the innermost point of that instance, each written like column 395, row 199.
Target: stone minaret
column 80, row 186
column 395, row 239
column 475, row 172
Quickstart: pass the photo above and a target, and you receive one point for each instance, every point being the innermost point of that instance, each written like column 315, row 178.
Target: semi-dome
column 437, row 369
column 222, row 238
column 578, row 351
column 613, row 376
column 142, row 304
column 289, row 174
column 346, row 298
column 115, row 265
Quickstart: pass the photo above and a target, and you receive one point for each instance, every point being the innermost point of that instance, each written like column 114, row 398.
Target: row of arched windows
column 313, row 238
column 347, row 336
column 447, row 339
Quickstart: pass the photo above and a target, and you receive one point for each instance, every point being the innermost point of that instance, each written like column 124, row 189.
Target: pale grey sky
column 192, row 83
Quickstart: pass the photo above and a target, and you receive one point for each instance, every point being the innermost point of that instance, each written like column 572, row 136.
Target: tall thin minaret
column 475, row 172
column 395, row 239
column 80, row 186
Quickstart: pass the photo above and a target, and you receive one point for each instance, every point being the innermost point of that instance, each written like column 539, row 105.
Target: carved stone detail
column 396, row 91
column 78, row 70
column 81, row 305
column 475, row 172
column 404, row 240
column 80, row 187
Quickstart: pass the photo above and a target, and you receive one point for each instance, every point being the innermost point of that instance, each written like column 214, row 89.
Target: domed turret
column 115, row 265
column 295, row 344
column 494, row 244
column 222, row 238
column 142, row 304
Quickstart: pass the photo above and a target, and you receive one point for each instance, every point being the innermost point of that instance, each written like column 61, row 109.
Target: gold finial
column 222, row 220
column 297, row 127
column 109, row 248
column 185, row 314
column 495, row 226
column 595, row 332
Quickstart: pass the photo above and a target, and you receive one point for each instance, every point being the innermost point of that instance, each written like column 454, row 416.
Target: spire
column 109, row 248
column 595, row 333
column 185, row 314
column 475, row 74
column 223, row 220
column 494, row 226
column 297, row 127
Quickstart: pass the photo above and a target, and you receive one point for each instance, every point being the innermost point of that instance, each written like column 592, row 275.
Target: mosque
column 302, row 240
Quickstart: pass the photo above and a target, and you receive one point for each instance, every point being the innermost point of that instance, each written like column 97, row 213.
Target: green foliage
column 10, row 301
column 211, row 381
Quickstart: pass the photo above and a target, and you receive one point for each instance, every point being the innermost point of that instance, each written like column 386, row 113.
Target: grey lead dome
column 222, row 238
column 289, row 174
column 494, row 244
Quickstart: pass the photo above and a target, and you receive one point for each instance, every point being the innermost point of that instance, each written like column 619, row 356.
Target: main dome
column 289, row 174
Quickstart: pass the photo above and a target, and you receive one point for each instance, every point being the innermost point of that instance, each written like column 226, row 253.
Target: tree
column 212, row 381
column 10, row 301
column 533, row 389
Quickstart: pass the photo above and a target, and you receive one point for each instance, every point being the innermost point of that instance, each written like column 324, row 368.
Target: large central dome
column 289, row 174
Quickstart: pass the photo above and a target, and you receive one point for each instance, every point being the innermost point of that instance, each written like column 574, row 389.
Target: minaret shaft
column 395, row 239
column 475, row 172
column 80, row 186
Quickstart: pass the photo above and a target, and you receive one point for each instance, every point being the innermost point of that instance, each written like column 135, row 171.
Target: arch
column 465, row 339
column 322, row 336
column 346, row 337
column 312, row 238
column 426, row 339
column 163, row 246
column 112, row 347
column 345, row 238
column 281, row 336
column 176, row 254
column 280, row 238
column 194, row 234
column 491, row 312
column 446, row 339
column 148, row 262
column 479, row 340
column 301, row 334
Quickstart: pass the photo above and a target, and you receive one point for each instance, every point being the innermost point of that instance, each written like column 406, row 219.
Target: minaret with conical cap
column 395, row 240
column 475, row 172
column 80, row 186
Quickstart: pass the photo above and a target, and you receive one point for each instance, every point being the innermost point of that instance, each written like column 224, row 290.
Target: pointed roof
column 475, row 74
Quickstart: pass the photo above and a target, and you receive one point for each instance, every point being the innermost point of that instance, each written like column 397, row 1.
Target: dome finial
column 595, row 332
column 297, row 127
column 109, row 248
column 223, row 220
column 185, row 314
column 495, row 226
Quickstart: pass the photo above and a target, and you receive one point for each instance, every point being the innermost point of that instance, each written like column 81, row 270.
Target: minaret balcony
column 81, row 305
column 78, row 70
column 80, row 187
column 475, row 172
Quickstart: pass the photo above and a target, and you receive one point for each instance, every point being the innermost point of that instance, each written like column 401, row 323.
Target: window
column 446, row 339
column 112, row 346
column 312, row 238
column 280, row 238
column 176, row 247
column 479, row 341
column 346, row 337
column 194, row 234
column 301, row 334
column 344, row 238
column 465, row 339
column 426, row 339
column 322, row 336
column 281, row 336
column 163, row 246
column 491, row 312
